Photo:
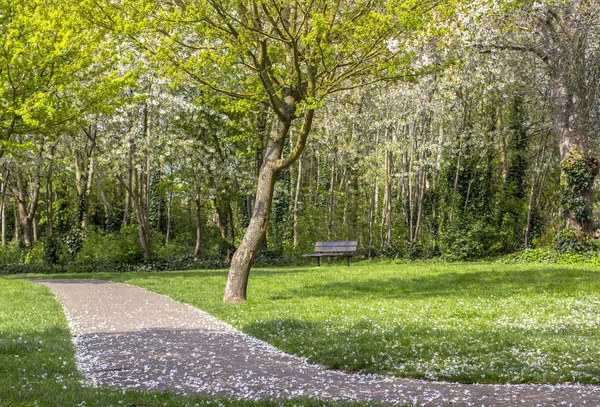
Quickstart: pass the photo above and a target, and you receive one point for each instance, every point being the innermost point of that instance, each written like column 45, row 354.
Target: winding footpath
column 127, row 337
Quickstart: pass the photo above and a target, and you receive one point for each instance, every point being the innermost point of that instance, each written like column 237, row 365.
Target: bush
column 11, row 253
column 74, row 241
column 52, row 251
column 544, row 255
column 122, row 247
column 469, row 240
column 569, row 242
column 35, row 255
column 173, row 251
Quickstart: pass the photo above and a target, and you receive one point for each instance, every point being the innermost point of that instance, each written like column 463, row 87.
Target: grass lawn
column 37, row 363
column 487, row 323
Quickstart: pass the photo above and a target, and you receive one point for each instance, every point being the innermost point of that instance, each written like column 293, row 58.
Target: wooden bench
column 334, row 249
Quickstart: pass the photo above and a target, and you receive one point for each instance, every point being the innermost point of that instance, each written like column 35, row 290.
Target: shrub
column 52, row 251
column 568, row 242
column 11, row 253
column 35, row 255
column 74, row 241
column 122, row 247
column 544, row 255
column 469, row 240
column 173, row 251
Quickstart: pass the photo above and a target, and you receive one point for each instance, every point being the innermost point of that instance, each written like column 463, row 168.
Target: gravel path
column 126, row 336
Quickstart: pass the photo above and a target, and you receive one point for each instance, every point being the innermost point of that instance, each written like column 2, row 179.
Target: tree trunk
column 105, row 204
column 420, row 199
column 570, row 125
column 198, row 247
column 237, row 281
column 3, row 223
column 296, row 203
column 457, row 174
column 3, row 211
column 34, row 226
column 169, row 206
column 388, row 201
column 88, row 191
column 273, row 164
column 331, row 197
column 128, row 182
column 49, row 193
column 502, row 144
column 16, row 236
column 26, row 208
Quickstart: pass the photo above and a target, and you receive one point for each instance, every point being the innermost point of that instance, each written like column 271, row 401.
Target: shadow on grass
column 481, row 283
column 123, row 277
column 427, row 352
column 164, row 275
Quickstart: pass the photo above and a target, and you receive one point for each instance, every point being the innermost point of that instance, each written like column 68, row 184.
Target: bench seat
column 345, row 249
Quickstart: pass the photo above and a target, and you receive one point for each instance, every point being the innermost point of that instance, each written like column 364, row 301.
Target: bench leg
column 318, row 262
column 348, row 261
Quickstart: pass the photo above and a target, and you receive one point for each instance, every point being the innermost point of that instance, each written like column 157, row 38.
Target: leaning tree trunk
column 273, row 164
column 242, row 260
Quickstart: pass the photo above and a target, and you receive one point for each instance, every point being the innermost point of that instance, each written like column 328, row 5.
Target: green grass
column 37, row 363
column 487, row 323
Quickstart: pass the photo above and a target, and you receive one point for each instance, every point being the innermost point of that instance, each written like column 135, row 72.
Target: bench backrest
column 336, row 247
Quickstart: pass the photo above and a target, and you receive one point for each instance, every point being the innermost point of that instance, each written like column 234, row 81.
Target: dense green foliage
column 491, row 323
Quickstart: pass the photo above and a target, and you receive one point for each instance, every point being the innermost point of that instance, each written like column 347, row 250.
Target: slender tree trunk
column 374, row 196
column 423, row 182
column 3, row 223
column 231, row 223
column 460, row 144
column 128, row 183
column 198, row 248
column 529, row 211
column 502, row 136
column 331, row 196
column 388, row 202
column 88, row 191
column 169, row 206
column 370, row 223
column 296, row 203
column 105, row 204
column 317, row 181
column 3, row 210
column 249, row 205
column 50, row 193
column 16, row 236
column 387, row 195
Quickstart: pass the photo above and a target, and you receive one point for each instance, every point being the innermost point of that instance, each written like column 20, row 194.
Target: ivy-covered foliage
column 578, row 173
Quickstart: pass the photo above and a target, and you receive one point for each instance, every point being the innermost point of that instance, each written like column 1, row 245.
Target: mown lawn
column 487, row 323
column 37, row 363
